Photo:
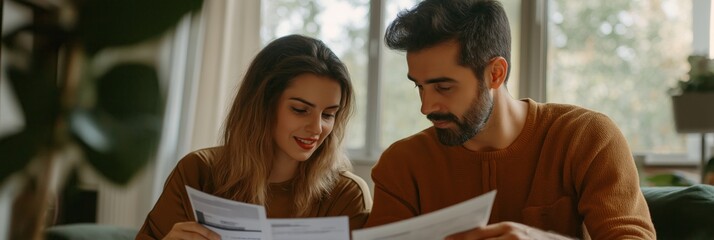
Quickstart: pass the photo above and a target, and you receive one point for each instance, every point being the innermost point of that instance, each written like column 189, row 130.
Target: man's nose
column 430, row 103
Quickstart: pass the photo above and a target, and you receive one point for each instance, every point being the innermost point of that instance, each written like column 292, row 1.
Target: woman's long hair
column 243, row 167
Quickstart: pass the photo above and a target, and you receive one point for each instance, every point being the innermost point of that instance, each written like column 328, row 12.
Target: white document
column 230, row 219
column 242, row 221
column 435, row 225
column 324, row 228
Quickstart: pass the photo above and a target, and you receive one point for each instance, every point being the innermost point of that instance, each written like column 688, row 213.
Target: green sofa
column 89, row 231
column 682, row 212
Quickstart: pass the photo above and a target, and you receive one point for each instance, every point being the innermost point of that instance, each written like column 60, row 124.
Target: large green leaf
column 107, row 23
column 129, row 90
column 18, row 149
column 116, row 149
column 37, row 96
column 39, row 103
column 121, row 134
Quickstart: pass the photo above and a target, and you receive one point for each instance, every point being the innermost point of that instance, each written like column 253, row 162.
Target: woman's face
column 306, row 114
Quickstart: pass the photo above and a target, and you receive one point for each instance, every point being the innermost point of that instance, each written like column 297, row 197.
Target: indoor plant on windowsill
column 693, row 98
column 693, row 102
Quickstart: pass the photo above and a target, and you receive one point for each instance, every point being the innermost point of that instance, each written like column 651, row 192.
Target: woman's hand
column 505, row 230
column 190, row 231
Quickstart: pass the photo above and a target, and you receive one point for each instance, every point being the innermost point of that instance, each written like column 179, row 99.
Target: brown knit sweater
column 349, row 197
column 567, row 167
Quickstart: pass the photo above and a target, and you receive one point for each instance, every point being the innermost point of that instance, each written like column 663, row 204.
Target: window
column 620, row 57
column 400, row 116
column 387, row 103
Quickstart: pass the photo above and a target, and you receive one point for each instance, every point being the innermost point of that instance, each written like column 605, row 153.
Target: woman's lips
column 306, row 143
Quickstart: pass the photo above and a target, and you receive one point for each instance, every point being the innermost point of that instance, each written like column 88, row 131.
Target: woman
column 281, row 146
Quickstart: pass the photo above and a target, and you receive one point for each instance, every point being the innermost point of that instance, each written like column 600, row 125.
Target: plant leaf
column 116, row 149
column 19, row 149
column 39, row 102
column 38, row 98
column 121, row 134
column 129, row 90
column 107, row 23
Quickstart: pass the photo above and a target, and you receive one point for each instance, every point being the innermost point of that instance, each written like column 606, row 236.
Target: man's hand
column 191, row 230
column 504, row 230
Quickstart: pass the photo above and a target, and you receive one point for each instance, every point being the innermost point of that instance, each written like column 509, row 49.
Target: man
column 560, row 170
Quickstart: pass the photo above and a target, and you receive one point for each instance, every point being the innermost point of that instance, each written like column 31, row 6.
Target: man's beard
column 475, row 119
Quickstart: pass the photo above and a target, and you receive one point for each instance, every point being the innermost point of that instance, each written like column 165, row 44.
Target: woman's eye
column 298, row 110
column 328, row 116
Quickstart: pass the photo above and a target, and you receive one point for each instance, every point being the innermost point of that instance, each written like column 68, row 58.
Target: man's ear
column 497, row 70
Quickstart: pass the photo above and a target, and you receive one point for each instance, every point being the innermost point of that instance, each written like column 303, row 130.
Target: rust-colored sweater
column 349, row 197
column 567, row 167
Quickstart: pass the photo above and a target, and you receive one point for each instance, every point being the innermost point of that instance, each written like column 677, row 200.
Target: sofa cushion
column 682, row 212
column 89, row 231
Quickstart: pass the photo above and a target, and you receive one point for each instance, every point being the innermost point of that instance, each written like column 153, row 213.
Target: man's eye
column 443, row 88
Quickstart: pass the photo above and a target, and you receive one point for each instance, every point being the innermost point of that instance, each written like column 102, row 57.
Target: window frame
column 372, row 150
column 534, row 61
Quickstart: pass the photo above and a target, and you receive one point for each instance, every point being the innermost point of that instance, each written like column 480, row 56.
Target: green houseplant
column 693, row 102
column 112, row 118
column 693, row 98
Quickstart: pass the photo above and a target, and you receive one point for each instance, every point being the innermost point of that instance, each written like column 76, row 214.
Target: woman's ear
column 497, row 72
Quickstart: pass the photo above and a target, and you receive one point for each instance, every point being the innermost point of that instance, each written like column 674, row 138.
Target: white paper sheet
column 242, row 221
column 435, row 225
column 230, row 219
column 324, row 228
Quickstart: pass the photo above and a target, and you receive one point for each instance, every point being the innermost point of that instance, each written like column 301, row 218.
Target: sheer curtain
column 210, row 54
column 203, row 63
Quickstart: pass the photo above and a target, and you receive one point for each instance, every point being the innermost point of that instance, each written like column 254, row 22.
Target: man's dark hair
column 480, row 27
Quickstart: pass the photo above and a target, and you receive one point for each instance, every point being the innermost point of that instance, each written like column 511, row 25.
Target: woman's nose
column 314, row 126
